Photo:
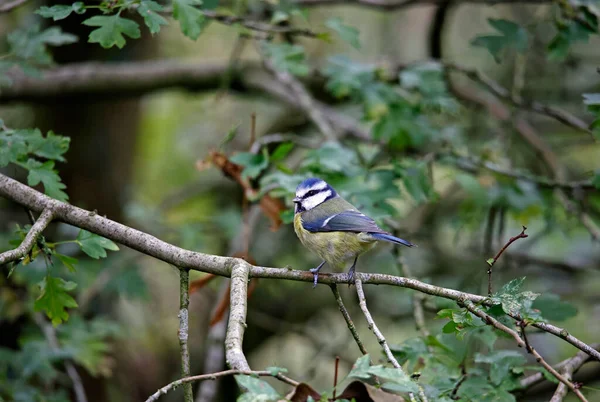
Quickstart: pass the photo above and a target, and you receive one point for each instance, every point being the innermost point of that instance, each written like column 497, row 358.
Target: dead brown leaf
column 362, row 392
column 301, row 393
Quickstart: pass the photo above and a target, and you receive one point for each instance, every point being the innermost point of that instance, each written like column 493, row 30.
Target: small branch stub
column 492, row 261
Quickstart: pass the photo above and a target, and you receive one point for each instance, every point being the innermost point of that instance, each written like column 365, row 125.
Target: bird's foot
column 315, row 272
column 351, row 277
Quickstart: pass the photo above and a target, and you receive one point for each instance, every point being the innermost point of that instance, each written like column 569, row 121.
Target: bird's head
column 311, row 193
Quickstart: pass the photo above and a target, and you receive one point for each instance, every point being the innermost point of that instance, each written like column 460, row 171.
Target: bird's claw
column 315, row 272
column 351, row 278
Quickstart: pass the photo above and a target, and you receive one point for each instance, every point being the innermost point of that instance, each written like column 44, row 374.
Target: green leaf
column 31, row 45
column 512, row 36
column 253, row 164
column 410, row 352
column 332, row 157
column 191, row 19
column 397, row 380
column 552, row 308
column 347, row 78
column 402, row 127
column 44, row 173
column 502, row 362
column 568, row 33
column 281, row 151
column 87, row 343
column 288, row 58
column 68, row 262
column 147, row 9
column 360, row 368
column 111, row 30
column 513, row 301
column 257, row 389
column 415, row 177
column 54, row 299
column 59, row 12
column 595, row 179
column 93, row 245
column 51, row 147
column 13, row 146
column 276, row 370
column 347, row 33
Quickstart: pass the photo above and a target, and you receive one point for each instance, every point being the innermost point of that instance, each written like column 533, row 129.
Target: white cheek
column 315, row 200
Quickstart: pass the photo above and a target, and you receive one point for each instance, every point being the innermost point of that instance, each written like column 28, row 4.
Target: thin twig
column 463, row 377
column 565, row 335
column 346, row 315
column 187, row 380
column 278, row 138
column 521, row 343
column 362, row 301
column 335, row 375
column 183, row 333
column 50, row 335
column 30, row 239
column 492, row 261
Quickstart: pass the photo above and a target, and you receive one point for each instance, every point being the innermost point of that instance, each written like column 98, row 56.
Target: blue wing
column 352, row 221
column 347, row 221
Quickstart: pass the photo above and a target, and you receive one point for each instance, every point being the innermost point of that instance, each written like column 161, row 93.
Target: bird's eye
column 311, row 193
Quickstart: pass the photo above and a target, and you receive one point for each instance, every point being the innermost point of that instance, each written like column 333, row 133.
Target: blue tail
column 391, row 239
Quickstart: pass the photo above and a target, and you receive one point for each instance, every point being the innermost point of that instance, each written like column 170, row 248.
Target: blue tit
column 333, row 228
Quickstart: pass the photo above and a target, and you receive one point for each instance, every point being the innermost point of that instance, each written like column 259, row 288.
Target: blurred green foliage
column 417, row 128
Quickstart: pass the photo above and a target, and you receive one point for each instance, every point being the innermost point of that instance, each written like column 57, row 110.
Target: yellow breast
column 334, row 247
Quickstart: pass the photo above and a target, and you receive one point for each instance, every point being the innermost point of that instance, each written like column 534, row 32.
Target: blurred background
column 145, row 160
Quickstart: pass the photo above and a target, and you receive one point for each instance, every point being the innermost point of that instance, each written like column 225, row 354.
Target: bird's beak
column 296, row 200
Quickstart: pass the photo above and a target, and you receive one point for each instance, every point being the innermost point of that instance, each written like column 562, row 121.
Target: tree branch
column 171, row 386
column 304, row 99
column 222, row 266
column 30, row 239
column 521, row 343
column 568, row 368
column 9, row 5
column 234, row 354
column 349, row 322
column 50, row 335
column 183, row 333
